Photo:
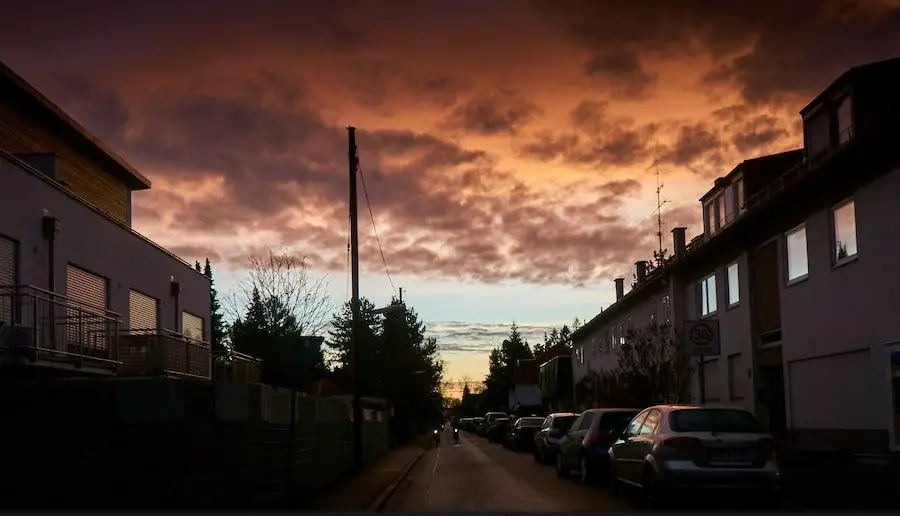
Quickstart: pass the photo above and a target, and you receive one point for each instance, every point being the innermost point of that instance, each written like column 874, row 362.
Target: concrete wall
column 96, row 244
column 838, row 323
column 729, row 377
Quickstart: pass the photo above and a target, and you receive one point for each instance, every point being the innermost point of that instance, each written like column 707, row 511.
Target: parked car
column 528, row 411
column 586, row 445
column 668, row 448
column 472, row 425
column 546, row 440
column 497, row 431
column 487, row 422
column 520, row 436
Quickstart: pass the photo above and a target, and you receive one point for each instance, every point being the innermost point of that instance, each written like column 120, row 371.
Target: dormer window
column 739, row 194
column 845, row 121
column 818, row 133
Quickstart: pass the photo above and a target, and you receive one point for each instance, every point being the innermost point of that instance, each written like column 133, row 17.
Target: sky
column 510, row 149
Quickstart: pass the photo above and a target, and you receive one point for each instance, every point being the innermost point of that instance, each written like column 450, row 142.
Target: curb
column 385, row 495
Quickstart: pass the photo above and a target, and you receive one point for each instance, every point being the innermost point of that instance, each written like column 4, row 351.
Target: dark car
column 547, row 439
column 497, row 431
column 586, row 445
column 520, row 436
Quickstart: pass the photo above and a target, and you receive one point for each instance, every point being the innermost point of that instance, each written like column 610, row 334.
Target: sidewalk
column 358, row 492
column 842, row 483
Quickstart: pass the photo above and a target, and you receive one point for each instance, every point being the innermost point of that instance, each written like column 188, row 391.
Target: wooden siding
column 22, row 134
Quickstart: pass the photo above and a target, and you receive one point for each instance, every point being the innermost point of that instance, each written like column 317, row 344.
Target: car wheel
column 560, row 468
column 586, row 475
column 652, row 492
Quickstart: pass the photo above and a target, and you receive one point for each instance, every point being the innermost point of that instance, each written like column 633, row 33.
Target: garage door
column 7, row 277
column 191, row 326
column 142, row 311
column 87, row 325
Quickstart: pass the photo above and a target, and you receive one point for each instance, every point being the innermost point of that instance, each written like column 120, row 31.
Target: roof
column 866, row 71
column 116, row 164
column 781, row 161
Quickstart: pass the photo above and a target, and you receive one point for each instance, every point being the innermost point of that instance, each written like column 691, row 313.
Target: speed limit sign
column 701, row 338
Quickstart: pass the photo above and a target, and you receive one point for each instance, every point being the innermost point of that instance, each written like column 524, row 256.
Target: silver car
column 668, row 448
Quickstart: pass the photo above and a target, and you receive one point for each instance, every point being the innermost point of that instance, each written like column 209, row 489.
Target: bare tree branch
column 283, row 276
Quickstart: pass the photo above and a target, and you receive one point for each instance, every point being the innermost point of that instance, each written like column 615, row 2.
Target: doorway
column 772, row 399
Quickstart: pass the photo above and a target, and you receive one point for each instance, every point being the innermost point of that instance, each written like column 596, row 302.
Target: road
column 477, row 476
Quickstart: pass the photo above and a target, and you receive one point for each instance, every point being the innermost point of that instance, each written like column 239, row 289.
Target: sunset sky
column 509, row 146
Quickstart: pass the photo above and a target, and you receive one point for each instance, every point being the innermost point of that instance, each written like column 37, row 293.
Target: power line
column 372, row 217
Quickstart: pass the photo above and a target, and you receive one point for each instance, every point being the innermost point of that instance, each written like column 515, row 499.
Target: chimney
column 678, row 239
column 620, row 288
column 641, row 271
column 45, row 163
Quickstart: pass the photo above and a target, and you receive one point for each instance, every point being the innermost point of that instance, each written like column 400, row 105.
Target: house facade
column 795, row 262
column 79, row 288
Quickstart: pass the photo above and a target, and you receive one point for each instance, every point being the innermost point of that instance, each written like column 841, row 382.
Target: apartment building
column 796, row 262
column 595, row 344
column 80, row 290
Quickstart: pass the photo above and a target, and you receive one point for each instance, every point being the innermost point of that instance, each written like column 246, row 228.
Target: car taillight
column 767, row 447
column 686, row 444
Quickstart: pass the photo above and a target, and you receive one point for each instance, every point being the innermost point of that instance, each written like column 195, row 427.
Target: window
column 715, row 420
column 621, row 334
column 722, row 209
column 735, row 377
column 632, row 429
column 845, row 121
column 739, row 194
column 844, row 231
column 734, row 288
column 797, row 262
column 667, row 309
column 708, row 295
column 586, row 419
column 818, row 134
column 710, row 218
column 650, row 423
column 579, row 354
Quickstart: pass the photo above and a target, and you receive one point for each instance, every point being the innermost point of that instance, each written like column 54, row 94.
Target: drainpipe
column 50, row 229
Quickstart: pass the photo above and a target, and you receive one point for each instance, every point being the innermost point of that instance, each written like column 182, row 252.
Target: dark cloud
column 374, row 83
column 503, row 112
column 624, row 71
column 597, row 139
column 462, row 337
column 767, row 48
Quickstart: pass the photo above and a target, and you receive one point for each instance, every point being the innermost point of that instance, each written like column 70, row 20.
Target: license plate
column 731, row 455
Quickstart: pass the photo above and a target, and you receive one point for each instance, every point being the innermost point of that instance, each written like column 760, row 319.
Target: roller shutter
column 191, row 326
column 7, row 277
column 87, row 325
column 142, row 311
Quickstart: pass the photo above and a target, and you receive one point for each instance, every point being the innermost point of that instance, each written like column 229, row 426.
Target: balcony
column 47, row 329
column 238, row 368
column 160, row 352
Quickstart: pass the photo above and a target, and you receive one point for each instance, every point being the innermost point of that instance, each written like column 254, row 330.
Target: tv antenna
column 659, row 204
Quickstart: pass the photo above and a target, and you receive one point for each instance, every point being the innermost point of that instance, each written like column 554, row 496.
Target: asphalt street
column 477, row 476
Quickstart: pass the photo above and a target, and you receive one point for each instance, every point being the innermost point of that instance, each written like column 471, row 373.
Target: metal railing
column 161, row 352
column 236, row 367
column 42, row 325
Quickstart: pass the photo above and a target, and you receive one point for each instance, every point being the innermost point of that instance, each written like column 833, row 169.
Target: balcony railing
column 160, row 352
column 235, row 367
column 40, row 325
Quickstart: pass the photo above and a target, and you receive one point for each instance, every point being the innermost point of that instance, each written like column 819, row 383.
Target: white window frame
column 834, row 240
column 787, row 255
column 845, row 134
column 732, row 289
column 703, row 289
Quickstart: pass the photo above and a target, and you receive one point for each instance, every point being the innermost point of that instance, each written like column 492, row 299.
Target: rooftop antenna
column 659, row 204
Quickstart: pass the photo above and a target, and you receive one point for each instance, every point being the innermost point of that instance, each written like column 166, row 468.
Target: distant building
column 76, row 281
column 797, row 262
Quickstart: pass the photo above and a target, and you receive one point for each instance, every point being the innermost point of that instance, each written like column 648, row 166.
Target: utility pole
column 354, row 305
column 401, row 295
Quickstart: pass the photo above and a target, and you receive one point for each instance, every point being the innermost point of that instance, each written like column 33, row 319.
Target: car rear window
column 616, row 420
column 563, row 422
column 529, row 421
column 714, row 420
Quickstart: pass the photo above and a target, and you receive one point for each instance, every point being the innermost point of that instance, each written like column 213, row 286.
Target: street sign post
column 701, row 339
